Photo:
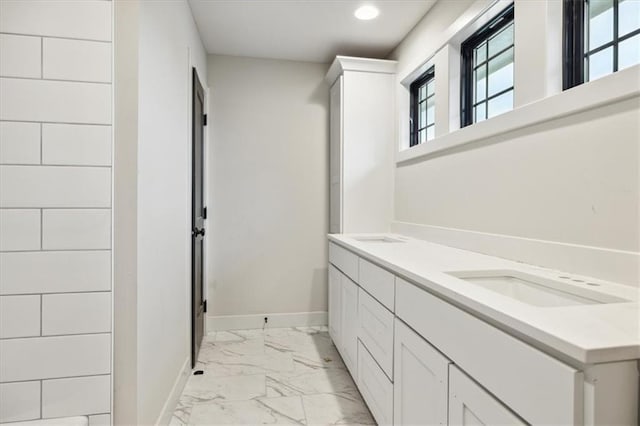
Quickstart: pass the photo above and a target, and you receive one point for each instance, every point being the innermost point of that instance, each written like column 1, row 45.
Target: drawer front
column 344, row 260
column 539, row 388
column 375, row 387
column 378, row 282
column 376, row 331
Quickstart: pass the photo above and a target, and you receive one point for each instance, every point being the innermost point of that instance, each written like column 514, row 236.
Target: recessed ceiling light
column 367, row 12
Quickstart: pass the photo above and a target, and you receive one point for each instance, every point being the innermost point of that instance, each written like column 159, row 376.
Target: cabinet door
column 470, row 404
column 420, row 388
column 349, row 318
column 335, row 157
column 335, row 306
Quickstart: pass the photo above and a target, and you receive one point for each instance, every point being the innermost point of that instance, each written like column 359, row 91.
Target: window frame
column 414, row 119
column 574, row 46
column 497, row 24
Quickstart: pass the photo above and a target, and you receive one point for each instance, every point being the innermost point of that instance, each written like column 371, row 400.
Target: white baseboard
column 172, row 400
column 247, row 322
column 611, row 265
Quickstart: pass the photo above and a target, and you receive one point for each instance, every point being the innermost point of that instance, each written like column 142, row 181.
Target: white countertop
column 582, row 334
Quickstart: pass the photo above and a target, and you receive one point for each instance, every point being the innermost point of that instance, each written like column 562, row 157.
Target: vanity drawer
column 376, row 331
column 378, row 282
column 344, row 260
column 375, row 387
column 539, row 388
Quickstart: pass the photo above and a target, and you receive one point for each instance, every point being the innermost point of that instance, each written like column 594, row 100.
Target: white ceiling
column 304, row 30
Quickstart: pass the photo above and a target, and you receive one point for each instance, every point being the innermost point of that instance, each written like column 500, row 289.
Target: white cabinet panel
column 378, row 282
column 335, row 309
column 375, row 387
column 376, row 331
column 335, row 160
column 349, row 318
column 421, row 382
column 344, row 260
column 470, row 404
column 361, row 157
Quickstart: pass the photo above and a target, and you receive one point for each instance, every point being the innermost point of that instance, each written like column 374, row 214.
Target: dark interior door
column 198, row 304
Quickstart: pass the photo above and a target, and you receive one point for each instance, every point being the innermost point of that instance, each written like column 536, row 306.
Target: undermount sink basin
column 378, row 239
column 535, row 290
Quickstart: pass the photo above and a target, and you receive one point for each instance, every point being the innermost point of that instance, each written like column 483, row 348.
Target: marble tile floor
column 271, row 376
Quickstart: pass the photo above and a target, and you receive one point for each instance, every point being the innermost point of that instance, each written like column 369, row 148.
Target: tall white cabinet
column 361, row 147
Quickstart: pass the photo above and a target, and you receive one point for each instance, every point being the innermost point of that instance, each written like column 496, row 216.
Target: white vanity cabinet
column 471, row 405
column 421, row 359
column 361, row 128
column 421, row 380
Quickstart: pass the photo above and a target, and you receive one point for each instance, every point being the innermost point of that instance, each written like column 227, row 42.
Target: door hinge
column 204, row 119
column 204, row 213
column 205, row 306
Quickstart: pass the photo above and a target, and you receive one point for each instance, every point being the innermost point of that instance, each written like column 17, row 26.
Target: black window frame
column 497, row 24
column 574, row 46
column 414, row 122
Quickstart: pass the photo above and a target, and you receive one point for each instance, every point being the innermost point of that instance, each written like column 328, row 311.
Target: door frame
column 196, row 84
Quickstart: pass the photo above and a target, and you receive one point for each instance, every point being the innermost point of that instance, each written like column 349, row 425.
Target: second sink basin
column 535, row 290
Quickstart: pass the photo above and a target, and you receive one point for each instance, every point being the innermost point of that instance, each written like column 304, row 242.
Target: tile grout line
column 41, row 143
column 41, row 57
column 41, row 315
column 41, row 229
column 82, row 123
column 57, row 37
column 46, row 379
column 57, row 80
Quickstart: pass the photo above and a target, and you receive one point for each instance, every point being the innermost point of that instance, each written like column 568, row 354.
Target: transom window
column 423, row 122
column 487, row 70
column 601, row 37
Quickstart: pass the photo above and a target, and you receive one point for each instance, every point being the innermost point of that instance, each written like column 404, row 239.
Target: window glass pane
column 430, row 87
column 501, row 41
column 431, row 132
column 422, row 93
column 629, row 16
column 422, row 136
column 502, row 103
column 480, row 53
column 480, row 112
column 600, row 63
column 629, row 52
column 501, row 72
column 481, row 81
column 600, row 22
column 431, row 107
column 422, row 121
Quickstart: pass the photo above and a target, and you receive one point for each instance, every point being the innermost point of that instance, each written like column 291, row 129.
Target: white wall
column 55, row 210
column 153, row 150
column 169, row 46
column 572, row 180
column 268, row 192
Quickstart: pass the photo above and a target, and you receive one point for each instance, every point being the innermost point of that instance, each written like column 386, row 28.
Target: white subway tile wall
column 76, row 397
column 55, row 209
column 19, row 143
column 20, row 401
